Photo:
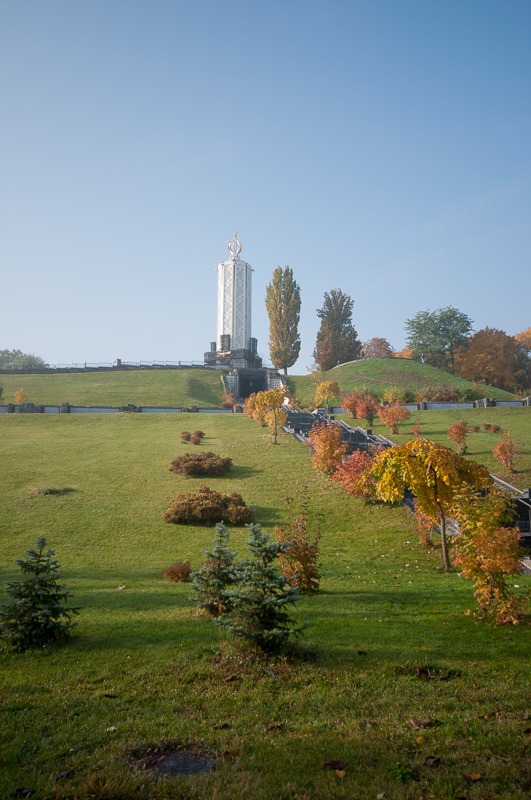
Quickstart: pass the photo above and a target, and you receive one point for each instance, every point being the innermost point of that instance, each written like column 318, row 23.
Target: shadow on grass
column 240, row 472
column 202, row 393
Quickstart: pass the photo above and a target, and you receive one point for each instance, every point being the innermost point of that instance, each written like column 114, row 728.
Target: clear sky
column 381, row 147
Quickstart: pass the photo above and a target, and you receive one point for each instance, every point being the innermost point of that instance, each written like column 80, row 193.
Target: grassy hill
column 188, row 387
column 144, row 668
column 179, row 387
column 379, row 374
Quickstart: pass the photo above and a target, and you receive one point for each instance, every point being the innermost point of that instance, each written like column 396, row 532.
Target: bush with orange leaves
column 486, row 552
column 355, row 475
column 392, row 415
column 506, row 451
column 327, row 446
column 457, row 432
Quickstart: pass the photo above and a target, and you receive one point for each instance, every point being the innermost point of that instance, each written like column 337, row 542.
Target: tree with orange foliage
column 20, row 397
column 406, row 352
column 328, row 447
column 376, row 348
column 486, row 552
column 506, row 451
column 524, row 339
column 458, row 432
column 392, row 415
column 367, row 408
column 355, row 475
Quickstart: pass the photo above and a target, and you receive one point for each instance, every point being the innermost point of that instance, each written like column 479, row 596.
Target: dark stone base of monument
column 233, row 359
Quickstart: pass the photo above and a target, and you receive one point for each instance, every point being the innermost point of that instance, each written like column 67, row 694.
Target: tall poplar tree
column 337, row 341
column 283, row 303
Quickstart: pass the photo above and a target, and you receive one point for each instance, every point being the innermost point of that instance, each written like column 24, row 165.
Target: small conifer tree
column 259, row 600
column 219, row 572
column 36, row 615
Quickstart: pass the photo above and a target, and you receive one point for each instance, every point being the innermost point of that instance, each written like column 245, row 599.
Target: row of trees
column 337, row 340
column 444, row 485
column 443, row 338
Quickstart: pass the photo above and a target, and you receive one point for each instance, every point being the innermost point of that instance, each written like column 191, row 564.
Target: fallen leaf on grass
column 222, row 726
column 472, row 777
column 230, row 678
column 341, row 774
column 432, row 761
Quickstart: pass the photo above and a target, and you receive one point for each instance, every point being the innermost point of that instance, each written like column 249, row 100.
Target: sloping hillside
column 379, row 374
column 179, row 387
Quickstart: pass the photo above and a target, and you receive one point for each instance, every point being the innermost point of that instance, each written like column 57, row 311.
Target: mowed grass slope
column 434, row 425
column 378, row 374
column 172, row 387
column 144, row 668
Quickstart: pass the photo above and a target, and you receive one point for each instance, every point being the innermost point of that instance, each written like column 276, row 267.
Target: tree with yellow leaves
column 326, row 392
column 434, row 473
column 269, row 408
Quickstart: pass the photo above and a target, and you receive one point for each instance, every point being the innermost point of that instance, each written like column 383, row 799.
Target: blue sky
column 382, row 147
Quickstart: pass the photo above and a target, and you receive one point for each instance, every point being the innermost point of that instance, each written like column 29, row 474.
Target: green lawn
column 434, row 425
column 172, row 387
column 144, row 668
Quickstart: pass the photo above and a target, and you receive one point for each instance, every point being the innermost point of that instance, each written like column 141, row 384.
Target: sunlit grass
column 144, row 667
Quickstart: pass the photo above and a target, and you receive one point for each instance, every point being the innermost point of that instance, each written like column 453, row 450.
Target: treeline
column 443, row 338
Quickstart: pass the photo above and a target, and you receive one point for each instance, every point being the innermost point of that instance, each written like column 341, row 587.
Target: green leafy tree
column 337, row 341
column 36, row 615
column 16, row 359
column 283, row 303
column 218, row 573
column 438, row 334
column 434, row 473
column 261, row 598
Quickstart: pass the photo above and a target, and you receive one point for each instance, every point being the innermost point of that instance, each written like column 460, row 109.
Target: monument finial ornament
column 235, row 246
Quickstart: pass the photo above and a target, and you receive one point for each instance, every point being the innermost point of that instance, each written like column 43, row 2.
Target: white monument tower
column 234, row 345
column 234, row 300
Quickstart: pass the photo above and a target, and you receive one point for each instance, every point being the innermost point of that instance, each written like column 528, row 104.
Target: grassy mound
column 380, row 373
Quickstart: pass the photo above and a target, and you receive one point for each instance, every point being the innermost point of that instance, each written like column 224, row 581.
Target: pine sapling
column 219, row 572
column 260, row 599
column 37, row 615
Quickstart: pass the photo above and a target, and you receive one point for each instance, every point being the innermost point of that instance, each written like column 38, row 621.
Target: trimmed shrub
column 196, row 439
column 186, row 436
column 206, row 507
column 199, row 434
column 200, row 464
column 178, row 573
column 37, row 615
